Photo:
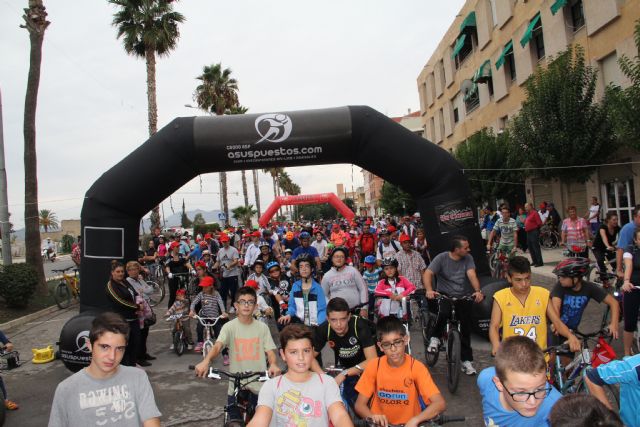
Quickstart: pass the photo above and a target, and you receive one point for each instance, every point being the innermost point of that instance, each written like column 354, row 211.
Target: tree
column 256, row 190
column 185, row 222
column 239, row 109
column 275, row 172
column 559, row 124
column 148, row 28
column 244, row 215
column 217, row 93
column 35, row 18
column 624, row 104
column 395, row 201
column 314, row 212
column 351, row 204
column 484, row 150
column 48, row 220
column 198, row 220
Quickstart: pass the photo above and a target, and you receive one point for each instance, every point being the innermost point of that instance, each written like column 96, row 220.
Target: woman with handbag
column 123, row 302
column 143, row 289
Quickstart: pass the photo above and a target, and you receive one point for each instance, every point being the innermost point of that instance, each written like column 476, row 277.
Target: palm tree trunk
column 152, row 113
column 244, row 188
column 36, row 23
column 225, row 201
column 275, row 191
column 257, row 191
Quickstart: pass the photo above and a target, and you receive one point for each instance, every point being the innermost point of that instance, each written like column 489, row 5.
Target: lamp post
column 4, row 202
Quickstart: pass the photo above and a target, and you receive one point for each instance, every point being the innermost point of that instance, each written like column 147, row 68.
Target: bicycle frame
column 208, row 323
column 238, row 386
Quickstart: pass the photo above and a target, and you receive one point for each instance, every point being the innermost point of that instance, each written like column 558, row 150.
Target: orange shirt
column 395, row 390
column 339, row 238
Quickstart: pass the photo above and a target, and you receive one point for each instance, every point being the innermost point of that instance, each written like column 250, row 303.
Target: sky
column 286, row 55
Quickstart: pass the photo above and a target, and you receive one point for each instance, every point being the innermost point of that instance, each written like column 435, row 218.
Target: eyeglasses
column 523, row 396
column 394, row 344
column 246, row 303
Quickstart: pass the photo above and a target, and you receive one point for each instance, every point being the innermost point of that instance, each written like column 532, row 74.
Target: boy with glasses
column 515, row 392
column 397, row 386
column 248, row 340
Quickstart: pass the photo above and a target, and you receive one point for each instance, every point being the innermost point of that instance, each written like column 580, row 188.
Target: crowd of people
column 342, row 285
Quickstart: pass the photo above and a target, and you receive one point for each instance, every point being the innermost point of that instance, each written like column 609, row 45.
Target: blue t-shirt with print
column 496, row 416
column 311, row 251
column 371, row 278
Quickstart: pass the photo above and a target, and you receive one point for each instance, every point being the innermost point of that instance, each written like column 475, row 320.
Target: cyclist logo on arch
column 273, row 127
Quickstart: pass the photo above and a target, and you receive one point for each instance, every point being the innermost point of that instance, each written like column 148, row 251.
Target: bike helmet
column 572, row 267
column 263, row 244
column 304, row 258
column 383, row 232
column 258, row 262
column 304, row 235
column 342, row 249
column 271, row 264
column 369, row 259
column 389, row 261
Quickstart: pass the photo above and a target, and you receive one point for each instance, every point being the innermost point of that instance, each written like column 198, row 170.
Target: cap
column 255, row 234
column 200, row 264
column 174, row 245
column 543, row 205
column 223, row 237
column 252, row 284
column 181, row 292
column 404, row 238
column 391, row 229
column 207, row 236
column 206, row 281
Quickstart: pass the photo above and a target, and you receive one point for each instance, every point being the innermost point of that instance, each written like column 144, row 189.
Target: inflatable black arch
column 190, row 146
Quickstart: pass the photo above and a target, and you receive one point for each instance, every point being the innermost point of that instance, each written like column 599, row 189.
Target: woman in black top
column 123, row 301
column 606, row 239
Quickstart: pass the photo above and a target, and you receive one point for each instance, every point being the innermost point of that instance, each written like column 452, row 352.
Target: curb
column 29, row 317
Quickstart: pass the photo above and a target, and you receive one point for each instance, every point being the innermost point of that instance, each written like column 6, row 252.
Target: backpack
column 367, row 244
column 372, row 329
column 393, row 244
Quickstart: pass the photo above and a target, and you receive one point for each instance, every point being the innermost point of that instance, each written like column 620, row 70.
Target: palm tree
column 36, row 23
column 147, row 28
column 256, row 190
column 239, row 109
column 217, row 93
column 243, row 215
column 274, row 172
column 48, row 220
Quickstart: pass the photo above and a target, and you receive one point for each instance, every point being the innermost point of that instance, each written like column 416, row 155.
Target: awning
column 557, row 5
column 471, row 93
column 469, row 21
column 508, row 48
column 458, row 46
column 535, row 22
column 483, row 73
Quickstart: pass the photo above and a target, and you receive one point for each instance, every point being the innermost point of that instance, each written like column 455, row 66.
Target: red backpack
column 368, row 244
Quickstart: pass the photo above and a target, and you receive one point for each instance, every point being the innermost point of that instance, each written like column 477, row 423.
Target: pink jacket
column 403, row 286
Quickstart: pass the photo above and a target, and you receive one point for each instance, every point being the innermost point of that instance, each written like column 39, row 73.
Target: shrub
column 67, row 242
column 18, row 282
column 205, row 228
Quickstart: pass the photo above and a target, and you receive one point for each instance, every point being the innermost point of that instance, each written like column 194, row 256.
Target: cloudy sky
column 286, row 55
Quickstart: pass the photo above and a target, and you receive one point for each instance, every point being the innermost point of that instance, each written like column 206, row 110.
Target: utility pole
column 5, row 228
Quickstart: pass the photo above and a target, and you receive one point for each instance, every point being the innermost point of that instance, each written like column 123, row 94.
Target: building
column 358, row 197
column 475, row 79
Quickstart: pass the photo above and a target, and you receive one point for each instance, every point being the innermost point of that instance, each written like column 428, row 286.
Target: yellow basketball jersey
column 530, row 319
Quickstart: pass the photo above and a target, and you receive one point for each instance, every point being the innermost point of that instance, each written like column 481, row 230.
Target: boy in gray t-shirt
column 105, row 393
column 299, row 397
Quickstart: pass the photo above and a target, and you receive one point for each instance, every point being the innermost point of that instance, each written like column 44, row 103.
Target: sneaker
column 189, row 346
column 171, row 347
column 434, row 345
column 468, row 368
column 198, row 347
column 225, row 359
column 10, row 405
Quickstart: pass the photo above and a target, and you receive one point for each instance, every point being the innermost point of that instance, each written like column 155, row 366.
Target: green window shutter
column 469, row 21
column 529, row 33
column 483, row 73
column 472, row 92
column 458, row 46
column 557, row 5
column 508, row 48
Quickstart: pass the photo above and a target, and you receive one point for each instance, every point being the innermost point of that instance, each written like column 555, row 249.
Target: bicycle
column 69, row 286
column 241, row 403
column 549, row 239
column 437, row 421
column 179, row 338
column 450, row 342
column 333, row 371
column 570, row 378
column 157, row 281
column 209, row 335
column 498, row 263
column 402, row 314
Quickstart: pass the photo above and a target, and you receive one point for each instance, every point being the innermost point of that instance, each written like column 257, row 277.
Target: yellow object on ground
column 43, row 355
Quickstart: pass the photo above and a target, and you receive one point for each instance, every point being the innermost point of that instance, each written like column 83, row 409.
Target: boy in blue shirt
column 515, row 392
column 371, row 276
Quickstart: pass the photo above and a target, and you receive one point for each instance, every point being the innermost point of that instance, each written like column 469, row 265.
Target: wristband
column 345, row 373
column 358, row 367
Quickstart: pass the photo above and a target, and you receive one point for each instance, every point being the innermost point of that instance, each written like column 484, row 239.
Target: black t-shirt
column 178, row 266
column 282, row 285
column 349, row 349
column 635, row 273
column 612, row 238
column 574, row 303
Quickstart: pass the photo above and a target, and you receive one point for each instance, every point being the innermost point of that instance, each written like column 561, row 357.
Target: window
column 577, row 14
column 502, row 122
column 494, row 12
column 619, row 198
column 490, row 86
column 510, row 66
column 537, row 41
column 464, row 47
column 442, row 76
column 472, row 99
column 441, row 123
column 610, row 70
column 456, row 115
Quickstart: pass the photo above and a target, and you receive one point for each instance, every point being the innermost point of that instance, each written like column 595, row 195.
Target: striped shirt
column 411, row 265
column 212, row 305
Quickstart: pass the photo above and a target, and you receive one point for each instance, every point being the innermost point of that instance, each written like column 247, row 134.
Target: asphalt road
column 183, row 399
column 61, row 262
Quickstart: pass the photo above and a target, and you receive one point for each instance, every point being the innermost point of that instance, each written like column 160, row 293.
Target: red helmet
column 391, row 229
column 174, row 245
column 572, row 267
column 404, row 238
column 203, row 244
column 201, row 264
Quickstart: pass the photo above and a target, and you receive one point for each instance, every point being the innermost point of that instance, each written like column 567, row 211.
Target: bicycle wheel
column 497, row 270
column 62, row 295
column 157, row 295
column 428, row 324
column 454, row 364
column 178, row 343
column 492, row 263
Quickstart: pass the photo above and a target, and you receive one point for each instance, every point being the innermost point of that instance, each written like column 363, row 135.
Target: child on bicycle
column 263, row 310
column 211, row 307
column 308, row 304
column 515, row 392
column 261, row 279
column 8, row 346
column 279, row 288
column 394, row 287
column 181, row 306
column 300, row 397
column 572, row 293
column 371, row 276
column 398, row 385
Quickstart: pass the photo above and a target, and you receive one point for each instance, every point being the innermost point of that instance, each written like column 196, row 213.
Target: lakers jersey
column 530, row 319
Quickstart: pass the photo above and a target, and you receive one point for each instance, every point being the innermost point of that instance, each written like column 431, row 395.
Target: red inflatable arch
column 307, row 199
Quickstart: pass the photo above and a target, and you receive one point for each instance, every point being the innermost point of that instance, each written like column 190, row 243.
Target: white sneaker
column 468, row 368
column 434, row 345
column 171, row 347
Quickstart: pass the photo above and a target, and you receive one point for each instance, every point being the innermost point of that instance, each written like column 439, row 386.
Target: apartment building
column 475, row 79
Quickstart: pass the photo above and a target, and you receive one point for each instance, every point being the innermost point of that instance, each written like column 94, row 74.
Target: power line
column 549, row 167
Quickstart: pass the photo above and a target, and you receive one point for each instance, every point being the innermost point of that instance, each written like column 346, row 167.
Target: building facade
column 475, row 79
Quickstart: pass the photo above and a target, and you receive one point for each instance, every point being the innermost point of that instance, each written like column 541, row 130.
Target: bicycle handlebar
column 438, row 420
column 454, row 299
column 64, row 269
column 203, row 320
column 215, row 374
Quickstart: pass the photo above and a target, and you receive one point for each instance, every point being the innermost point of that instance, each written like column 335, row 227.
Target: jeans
column 229, row 288
column 533, row 242
column 463, row 312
